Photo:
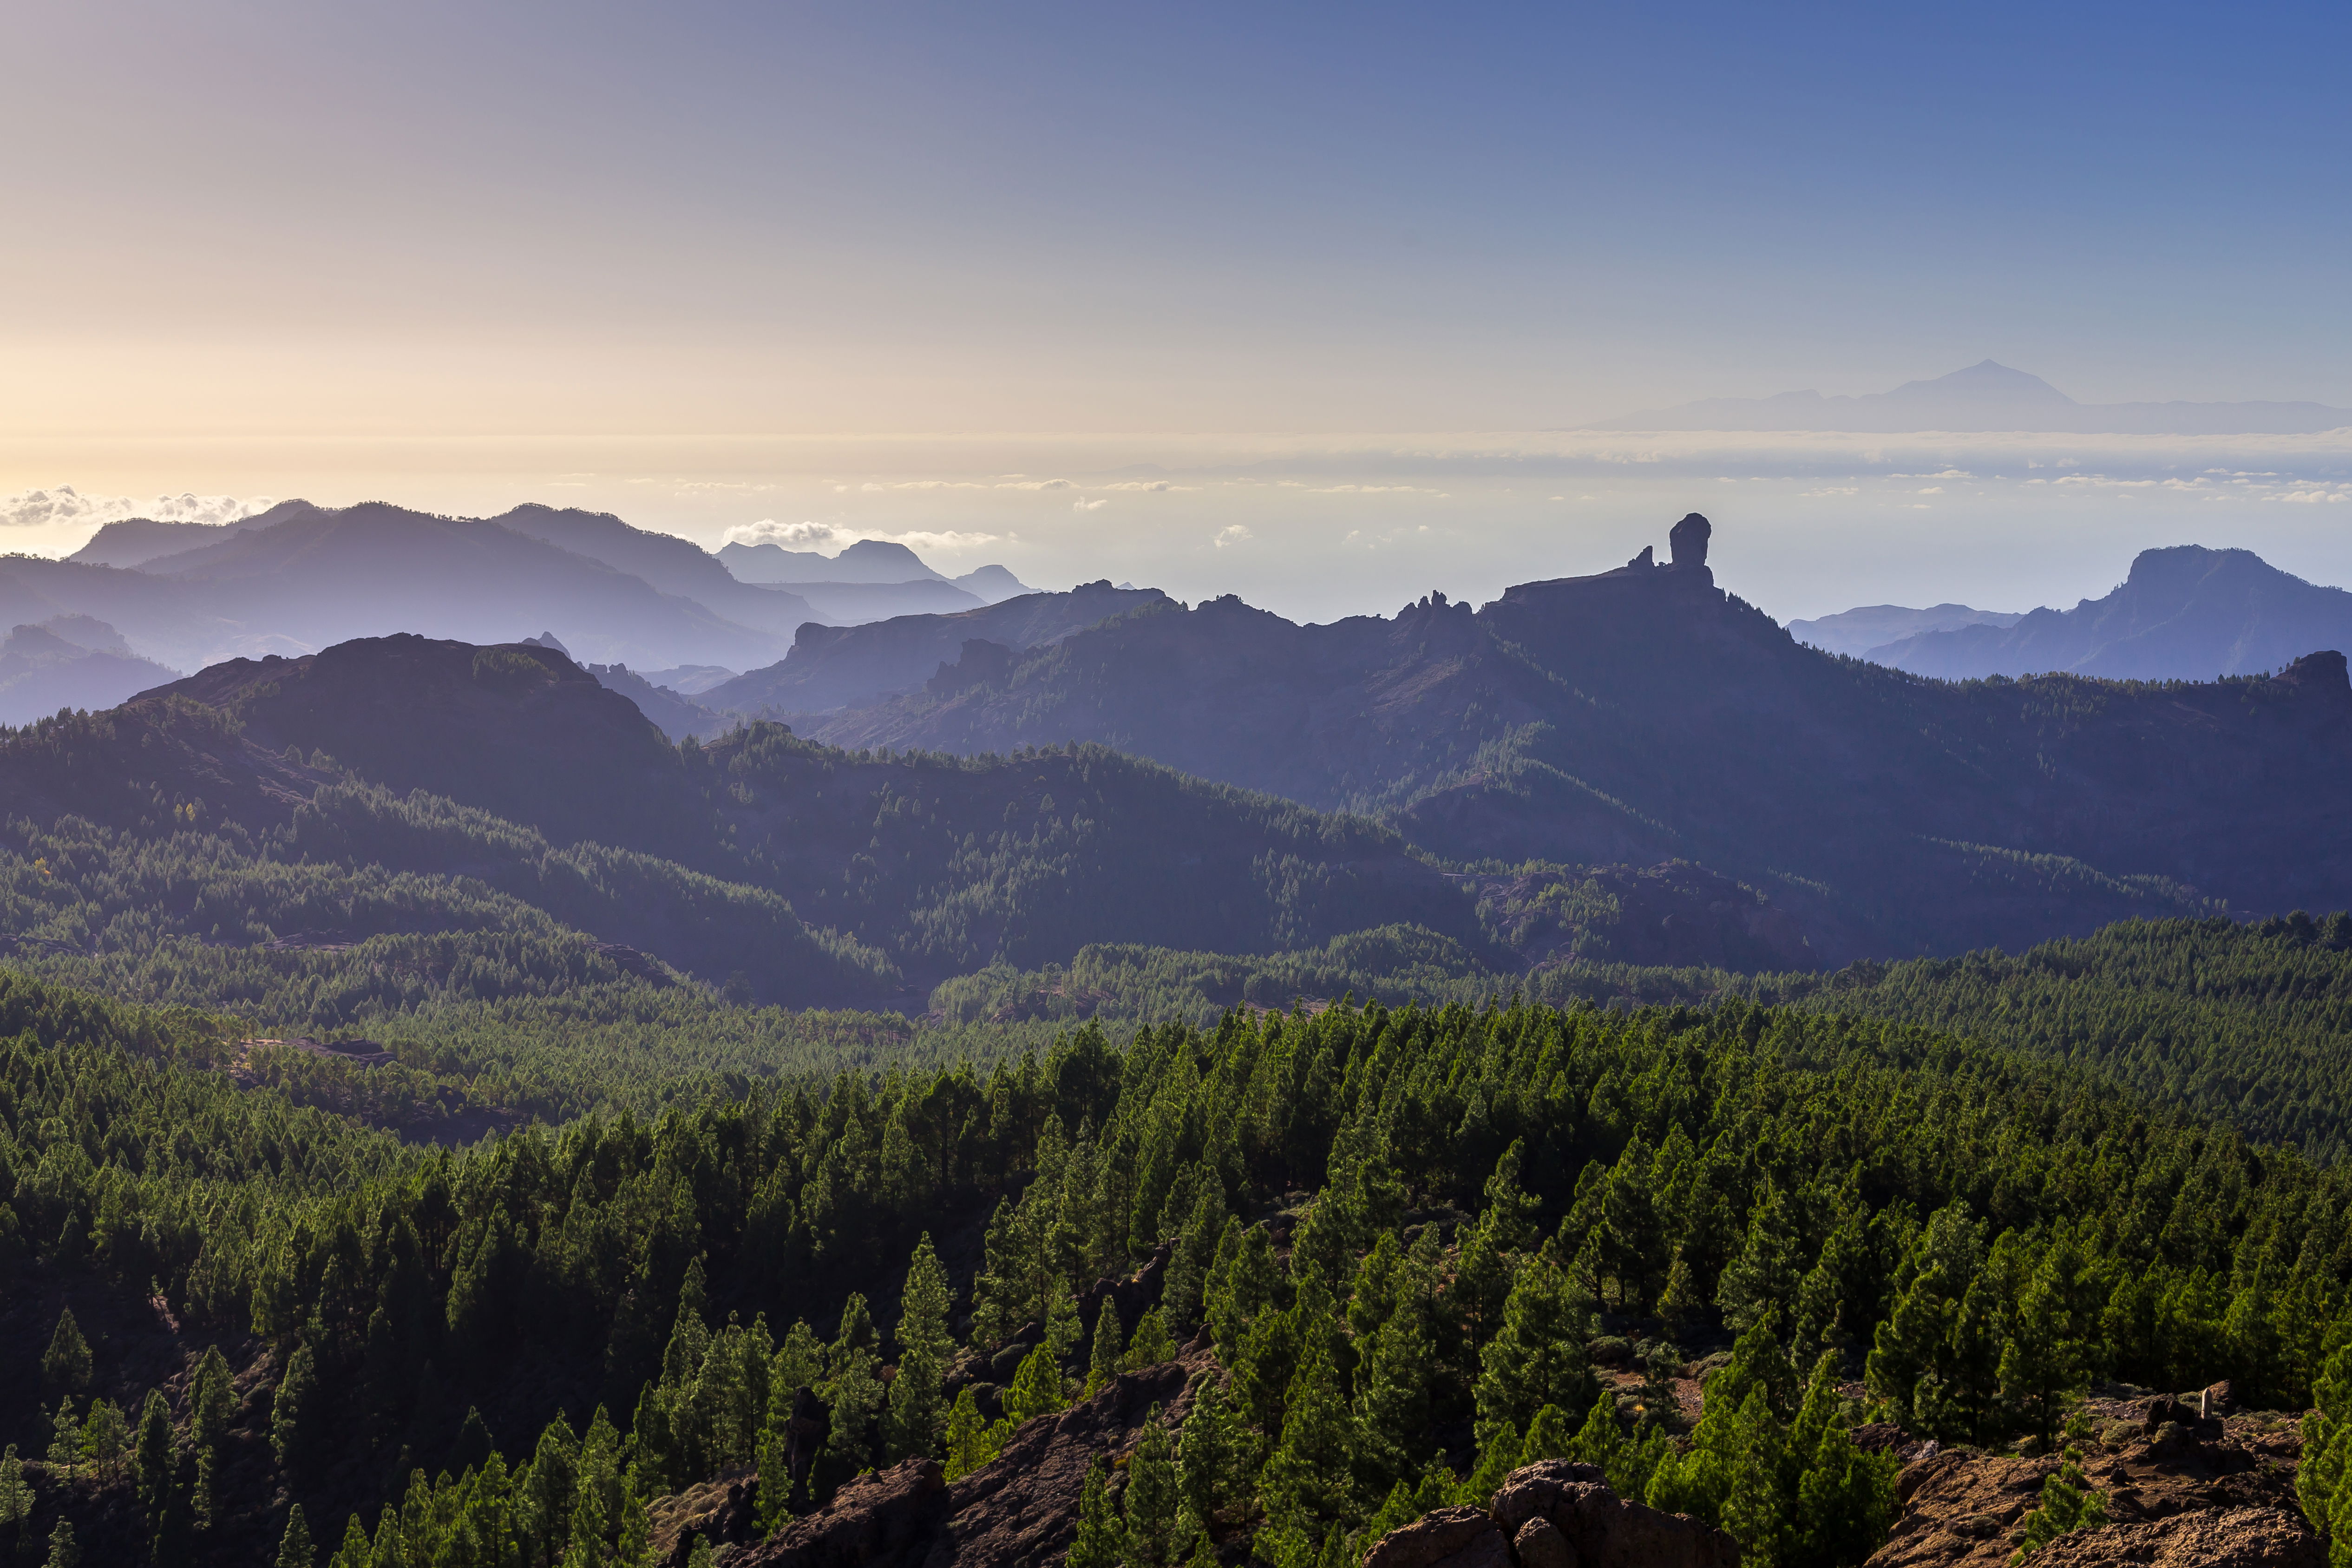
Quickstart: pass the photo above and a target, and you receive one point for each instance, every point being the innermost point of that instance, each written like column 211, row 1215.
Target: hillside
column 840, row 667
column 69, row 661
column 1405, row 1252
column 1643, row 713
column 2184, row 614
column 546, row 785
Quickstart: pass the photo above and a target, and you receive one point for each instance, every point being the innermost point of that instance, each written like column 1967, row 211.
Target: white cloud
column 791, row 535
column 2314, row 496
column 1034, row 484
column 1947, row 474
column 1928, row 491
column 1830, row 490
column 1373, row 491
column 1096, row 505
column 62, row 504
column 1152, row 484
column 831, row 537
column 1234, row 533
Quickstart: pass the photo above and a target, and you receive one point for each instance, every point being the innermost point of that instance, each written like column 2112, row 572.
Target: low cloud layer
column 63, row 506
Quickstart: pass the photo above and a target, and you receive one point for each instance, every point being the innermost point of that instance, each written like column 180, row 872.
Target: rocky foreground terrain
column 2181, row 1488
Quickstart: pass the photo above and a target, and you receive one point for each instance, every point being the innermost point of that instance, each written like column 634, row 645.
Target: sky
column 1343, row 279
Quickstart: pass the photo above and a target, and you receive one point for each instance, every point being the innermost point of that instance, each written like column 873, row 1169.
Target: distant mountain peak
column 1984, row 396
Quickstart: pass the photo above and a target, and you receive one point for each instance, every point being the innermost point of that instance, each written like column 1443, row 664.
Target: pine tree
column 1394, row 1407
column 1311, row 1474
column 204, row 1502
column 1764, row 1275
column 1510, row 1214
column 1097, row 1544
column 1678, row 1299
column 1036, row 1387
column 970, row 1441
column 213, row 1401
column 1151, row 1345
column 2068, row 1503
column 1537, row 1356
column 155, row 1461
column 1152, row 1499
column 289, row 1410
column 63, row 1550
column 918, row 1393
column 1754, row 1510
column 65, row 1366
column 65, row 1438
column 1264, row 1367
column 354, row 1552
column 104, row 1437
column 1212, row 1452
column 294, row 1548
column 1102, row 1361
column 16, row 1497
column 1550, row 1437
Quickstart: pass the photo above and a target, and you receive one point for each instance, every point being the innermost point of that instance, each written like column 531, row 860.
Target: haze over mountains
column 1984, row 396
column 298, row 577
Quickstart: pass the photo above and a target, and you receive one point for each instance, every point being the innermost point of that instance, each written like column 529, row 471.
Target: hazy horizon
column 1345, row 286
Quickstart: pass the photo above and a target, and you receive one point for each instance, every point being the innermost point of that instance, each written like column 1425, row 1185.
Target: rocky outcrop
column 2179, row 1490
column 1021, row 1509
column 1687, row 541
column 1555, row 1514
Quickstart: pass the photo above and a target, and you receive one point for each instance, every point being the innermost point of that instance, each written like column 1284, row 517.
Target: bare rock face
column 1687, row 541
column 882, row 1518
column 2178, row 1491
column 1021, row 1509
column 1555, row 1514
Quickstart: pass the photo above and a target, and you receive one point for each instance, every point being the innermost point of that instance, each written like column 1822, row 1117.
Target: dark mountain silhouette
column 834, row 666
column 69, row 661
column 672, row 564
column 2184, row 614
column 923, row 866
column 1985, row 397
column 678, row 715
column 1858, row 631
column 136, row 541
column 994, row 585
column 854, row 603
column 867, row 561
column 316, row 575
column 1643, row 713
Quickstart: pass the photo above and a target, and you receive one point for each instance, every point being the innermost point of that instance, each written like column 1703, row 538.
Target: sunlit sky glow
column 1337, row 277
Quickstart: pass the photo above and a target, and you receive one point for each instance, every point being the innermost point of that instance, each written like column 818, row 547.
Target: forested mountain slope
column 818, row 875
column 1421, row 1246
column 836, row 667
column 1645, row 714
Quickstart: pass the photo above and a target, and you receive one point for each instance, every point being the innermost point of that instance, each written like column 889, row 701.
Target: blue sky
column 457, row 251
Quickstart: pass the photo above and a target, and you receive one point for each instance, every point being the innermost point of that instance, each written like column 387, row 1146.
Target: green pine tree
column 155, row 1459
column 1764, row 1275
column 65, row 1366
column 1151, row 1500
column 63, row 1552
column 1097, row 1543
column 294, row 1548
column 970, row 1441
column 1212, row 1453
column 1102, row 1359
column 1036, row 1387
column 1311, row 1473
column 1151, row 1345
column 1537, row 1357
column 2069, row 1503
column 289, row 1411
column 1550, row 1437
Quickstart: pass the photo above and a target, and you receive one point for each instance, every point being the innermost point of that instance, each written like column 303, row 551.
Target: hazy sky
column 708, row 265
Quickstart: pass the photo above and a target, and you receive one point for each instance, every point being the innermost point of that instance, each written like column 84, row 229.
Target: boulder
column 1555, row 1514
column 1539, row 1545
column 1433, row 1537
